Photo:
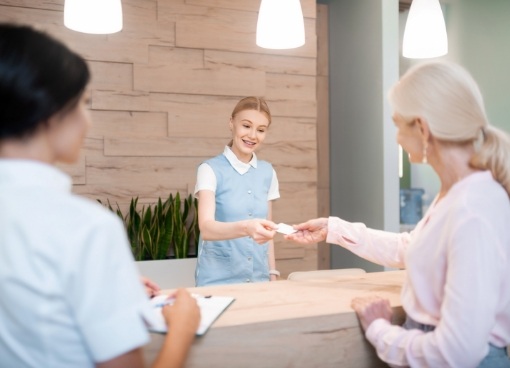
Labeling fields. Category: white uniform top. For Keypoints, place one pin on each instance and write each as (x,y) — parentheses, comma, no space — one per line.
(458,276)
(70,292)
(206,179)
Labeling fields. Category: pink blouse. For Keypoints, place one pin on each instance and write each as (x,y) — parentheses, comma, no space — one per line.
(458,276)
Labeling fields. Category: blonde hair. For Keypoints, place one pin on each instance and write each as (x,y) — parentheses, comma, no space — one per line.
(448,98)
(252,103)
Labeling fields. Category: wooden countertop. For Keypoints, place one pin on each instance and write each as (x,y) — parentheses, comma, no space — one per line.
(291,323)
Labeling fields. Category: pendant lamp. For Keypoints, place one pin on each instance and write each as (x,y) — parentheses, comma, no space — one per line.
(93,16)
(280,24)
(425,32)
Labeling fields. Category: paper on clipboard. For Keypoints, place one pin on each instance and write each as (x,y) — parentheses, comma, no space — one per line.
(211,307)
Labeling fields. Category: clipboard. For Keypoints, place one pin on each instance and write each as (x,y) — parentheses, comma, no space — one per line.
(211,307)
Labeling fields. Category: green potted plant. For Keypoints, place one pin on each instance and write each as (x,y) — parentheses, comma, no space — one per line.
(161,234)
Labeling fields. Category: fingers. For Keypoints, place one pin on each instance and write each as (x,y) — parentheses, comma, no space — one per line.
(312,231)
(261,230)
(312,225)
(268,224)
(302,226)
(151,288)
(371,308)
(184,313)
(308,237)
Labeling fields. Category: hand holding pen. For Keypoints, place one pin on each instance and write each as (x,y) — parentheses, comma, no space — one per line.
(182,312)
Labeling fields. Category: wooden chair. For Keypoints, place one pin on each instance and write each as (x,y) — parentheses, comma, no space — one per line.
(324,274)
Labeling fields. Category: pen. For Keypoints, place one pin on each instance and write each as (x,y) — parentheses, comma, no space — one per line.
(168,301)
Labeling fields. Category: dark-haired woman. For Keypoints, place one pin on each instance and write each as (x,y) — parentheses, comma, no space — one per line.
(70,292)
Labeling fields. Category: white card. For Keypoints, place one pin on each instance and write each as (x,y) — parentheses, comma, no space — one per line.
(285,229)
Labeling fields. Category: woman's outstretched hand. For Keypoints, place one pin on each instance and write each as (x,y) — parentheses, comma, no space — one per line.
(312,231)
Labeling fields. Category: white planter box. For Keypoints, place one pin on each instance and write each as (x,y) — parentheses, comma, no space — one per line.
(170,273)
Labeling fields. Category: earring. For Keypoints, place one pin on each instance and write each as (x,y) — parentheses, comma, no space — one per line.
(424,154)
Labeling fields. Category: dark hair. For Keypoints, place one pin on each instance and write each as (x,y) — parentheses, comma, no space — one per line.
(39,76)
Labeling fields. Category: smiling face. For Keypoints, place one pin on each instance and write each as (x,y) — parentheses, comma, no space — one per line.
(249,129)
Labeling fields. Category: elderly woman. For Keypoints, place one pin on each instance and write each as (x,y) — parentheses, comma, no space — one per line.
(457,292)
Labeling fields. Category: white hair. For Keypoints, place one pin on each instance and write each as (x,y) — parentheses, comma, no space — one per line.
(448,98)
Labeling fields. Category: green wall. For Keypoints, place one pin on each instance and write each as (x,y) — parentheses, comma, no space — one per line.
(481,42)
(363,61)
(479,39)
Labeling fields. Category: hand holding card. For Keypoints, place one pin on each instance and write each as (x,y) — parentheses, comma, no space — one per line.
(285,229)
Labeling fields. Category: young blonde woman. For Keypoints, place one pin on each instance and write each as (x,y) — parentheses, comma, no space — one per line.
(235,191)
(457,292)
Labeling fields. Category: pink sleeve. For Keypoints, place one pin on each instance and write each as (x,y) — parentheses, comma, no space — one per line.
(381,247)
(393,344)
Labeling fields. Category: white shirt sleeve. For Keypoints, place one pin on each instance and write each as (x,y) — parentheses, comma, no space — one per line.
(274,189)
(206,179)
(105,292)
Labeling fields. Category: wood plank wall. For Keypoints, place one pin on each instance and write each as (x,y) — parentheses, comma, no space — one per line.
(162,93)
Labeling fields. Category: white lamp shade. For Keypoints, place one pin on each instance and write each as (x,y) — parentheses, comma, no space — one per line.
(93,16)
(425,32)
(280,24)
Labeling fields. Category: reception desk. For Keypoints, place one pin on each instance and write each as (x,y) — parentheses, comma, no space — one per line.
(291,324)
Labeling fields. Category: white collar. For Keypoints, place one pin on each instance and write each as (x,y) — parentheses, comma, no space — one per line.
(239,166)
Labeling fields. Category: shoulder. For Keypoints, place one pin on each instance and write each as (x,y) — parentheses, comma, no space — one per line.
(265,165)
(266,168)
(216,160)
(87,214)
(482,198)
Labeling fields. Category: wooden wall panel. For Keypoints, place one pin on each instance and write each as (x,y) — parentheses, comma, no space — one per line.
(184,79)
(297,202)
(128,124)
(111,76)
(47,4)
(120,100)
(229,32)
(308,7)
(162,93)
(297,88)
(155,147)
(268,63)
